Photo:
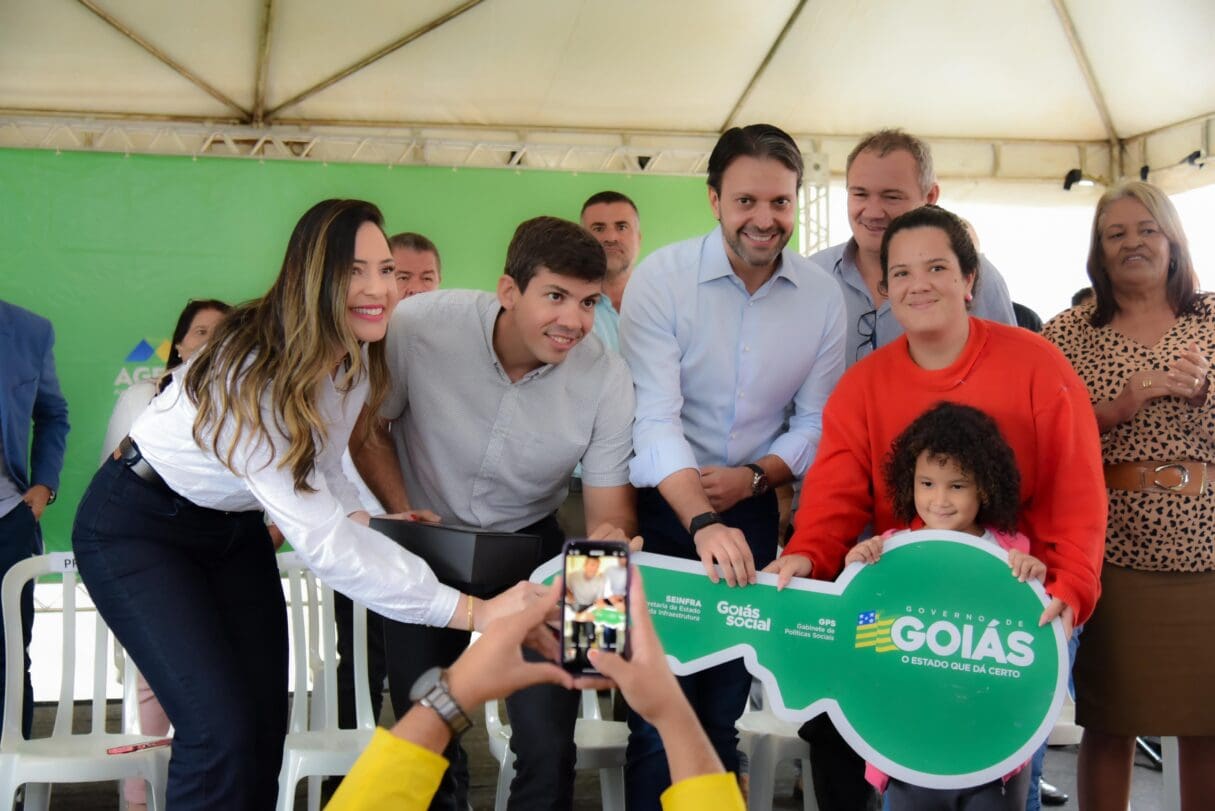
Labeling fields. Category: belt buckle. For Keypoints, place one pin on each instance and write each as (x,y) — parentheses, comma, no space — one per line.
(1185,477)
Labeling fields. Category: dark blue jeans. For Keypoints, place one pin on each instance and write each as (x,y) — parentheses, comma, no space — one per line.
(718,694)
(542,720)
(194,596)
(1034,802)
(20,539)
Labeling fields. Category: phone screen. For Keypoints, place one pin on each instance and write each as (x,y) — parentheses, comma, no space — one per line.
(594,613)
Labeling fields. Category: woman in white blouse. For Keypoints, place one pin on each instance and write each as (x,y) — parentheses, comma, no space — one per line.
(170,538)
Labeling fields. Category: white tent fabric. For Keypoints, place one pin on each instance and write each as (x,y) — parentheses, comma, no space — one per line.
(1019,90)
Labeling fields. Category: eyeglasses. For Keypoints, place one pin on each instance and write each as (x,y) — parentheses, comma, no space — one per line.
(866,328)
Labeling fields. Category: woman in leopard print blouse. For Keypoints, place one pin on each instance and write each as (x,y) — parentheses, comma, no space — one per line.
(1143,348)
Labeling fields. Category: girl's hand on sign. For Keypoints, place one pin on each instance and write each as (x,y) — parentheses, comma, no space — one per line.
(787,567)
(869,551)
(1025,566)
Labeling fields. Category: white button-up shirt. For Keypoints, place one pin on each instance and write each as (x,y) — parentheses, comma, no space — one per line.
(351,558)
(724,377)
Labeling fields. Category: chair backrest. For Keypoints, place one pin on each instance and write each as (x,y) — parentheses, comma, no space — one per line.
(590,705)
(314,649)
(130,692)
(589,710)
(61,563)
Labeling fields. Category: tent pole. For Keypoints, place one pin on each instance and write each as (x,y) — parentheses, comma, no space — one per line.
(1094,89)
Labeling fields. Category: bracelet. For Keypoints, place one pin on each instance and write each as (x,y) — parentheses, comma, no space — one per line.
(471,600)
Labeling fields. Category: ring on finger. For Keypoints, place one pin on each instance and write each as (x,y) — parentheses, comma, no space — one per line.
(1146,383)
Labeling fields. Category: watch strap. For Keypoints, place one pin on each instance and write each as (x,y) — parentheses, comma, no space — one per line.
(703,520)
(759,481)
(437,696)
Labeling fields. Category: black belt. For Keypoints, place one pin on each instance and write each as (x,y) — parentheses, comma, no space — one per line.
(128,453)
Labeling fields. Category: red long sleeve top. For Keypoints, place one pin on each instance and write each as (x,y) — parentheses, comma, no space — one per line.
(1043,410)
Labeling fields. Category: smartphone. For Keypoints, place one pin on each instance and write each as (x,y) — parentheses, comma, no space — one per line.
(138,747)
(594,605)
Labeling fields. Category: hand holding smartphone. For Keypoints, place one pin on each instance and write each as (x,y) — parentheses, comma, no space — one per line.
(595,598)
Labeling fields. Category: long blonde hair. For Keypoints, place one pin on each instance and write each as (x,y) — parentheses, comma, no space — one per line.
(284,344)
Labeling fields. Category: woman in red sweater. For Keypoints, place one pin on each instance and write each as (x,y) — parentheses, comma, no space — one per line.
(929,271)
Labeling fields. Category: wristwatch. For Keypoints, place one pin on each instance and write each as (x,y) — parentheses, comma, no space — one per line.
(703,520)
(431,690)
(759,480)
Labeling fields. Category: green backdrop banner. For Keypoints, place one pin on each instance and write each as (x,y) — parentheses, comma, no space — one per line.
(109,247)
(930,662)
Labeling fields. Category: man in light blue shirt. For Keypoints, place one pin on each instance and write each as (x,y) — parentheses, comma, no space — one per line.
(734,343)
(890,173)
(613,219)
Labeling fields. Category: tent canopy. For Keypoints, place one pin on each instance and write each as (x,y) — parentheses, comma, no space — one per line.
(1023,90)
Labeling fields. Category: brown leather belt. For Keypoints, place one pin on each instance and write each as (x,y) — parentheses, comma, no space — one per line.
(1184,478)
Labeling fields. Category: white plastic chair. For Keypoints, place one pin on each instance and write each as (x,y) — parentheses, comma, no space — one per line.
(315,746)
(600,745)
(64,757)
(131,724)
(769,741)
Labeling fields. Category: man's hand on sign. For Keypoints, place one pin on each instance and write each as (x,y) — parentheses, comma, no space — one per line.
(718,543)
(610,532)
(788,567)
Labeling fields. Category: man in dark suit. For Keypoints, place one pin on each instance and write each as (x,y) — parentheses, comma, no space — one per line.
(29,476)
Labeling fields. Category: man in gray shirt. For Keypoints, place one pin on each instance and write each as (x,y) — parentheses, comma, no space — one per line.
(890,173)
(494,399)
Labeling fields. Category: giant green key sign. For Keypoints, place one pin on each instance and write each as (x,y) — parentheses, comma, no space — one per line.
(931,662)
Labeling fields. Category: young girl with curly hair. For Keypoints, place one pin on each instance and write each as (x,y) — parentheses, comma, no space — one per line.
(952,469)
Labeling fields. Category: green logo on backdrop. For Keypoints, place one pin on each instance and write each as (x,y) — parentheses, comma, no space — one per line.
(931,662)
(145,361)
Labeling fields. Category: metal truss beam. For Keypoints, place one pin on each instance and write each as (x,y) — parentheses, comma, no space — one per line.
(588,150)
(263,63)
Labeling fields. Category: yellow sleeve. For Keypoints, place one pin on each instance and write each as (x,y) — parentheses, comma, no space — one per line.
(706,792)
(392,773)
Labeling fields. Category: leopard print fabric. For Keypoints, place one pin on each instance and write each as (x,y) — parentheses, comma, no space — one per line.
(1147,530)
